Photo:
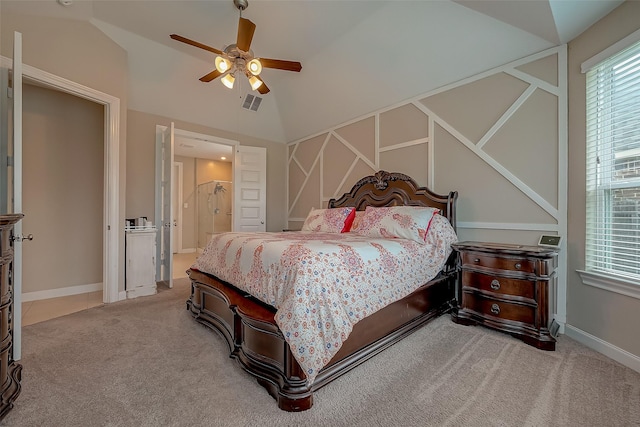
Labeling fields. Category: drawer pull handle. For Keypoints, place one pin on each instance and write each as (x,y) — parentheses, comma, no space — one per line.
(518,265)
(495,285)
(476,260)
(495,309)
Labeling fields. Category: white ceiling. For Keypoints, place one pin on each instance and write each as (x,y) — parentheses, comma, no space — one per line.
(357,56)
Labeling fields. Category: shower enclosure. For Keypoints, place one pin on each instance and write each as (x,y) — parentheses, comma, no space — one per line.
(214,209)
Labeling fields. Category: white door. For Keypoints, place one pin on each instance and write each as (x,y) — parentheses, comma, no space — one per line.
(250,183)
(17,193)
(166,214)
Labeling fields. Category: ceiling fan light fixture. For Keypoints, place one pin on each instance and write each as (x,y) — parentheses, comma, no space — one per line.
(255,82)
(254,66)
(238,58)
(228,80)
(222,64)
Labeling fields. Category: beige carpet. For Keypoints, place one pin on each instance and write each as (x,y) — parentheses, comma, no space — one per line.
(146,362)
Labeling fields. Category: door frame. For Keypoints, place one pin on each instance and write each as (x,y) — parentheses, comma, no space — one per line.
(111,183)
(176,203)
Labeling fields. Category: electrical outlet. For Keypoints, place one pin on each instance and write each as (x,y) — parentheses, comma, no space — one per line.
(185,206)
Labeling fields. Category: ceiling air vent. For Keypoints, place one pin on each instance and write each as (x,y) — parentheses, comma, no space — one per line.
(251,102)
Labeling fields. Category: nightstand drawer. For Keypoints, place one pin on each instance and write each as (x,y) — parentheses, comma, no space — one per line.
(499,285)
(475,259)
(499,309)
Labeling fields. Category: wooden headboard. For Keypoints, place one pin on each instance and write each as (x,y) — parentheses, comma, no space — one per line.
(395,189)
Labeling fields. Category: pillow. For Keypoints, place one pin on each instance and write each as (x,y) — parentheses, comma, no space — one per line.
(329,220)
(405,222)
(356,220)
(348,223)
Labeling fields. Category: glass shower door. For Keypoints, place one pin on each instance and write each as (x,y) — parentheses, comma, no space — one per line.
(214,209)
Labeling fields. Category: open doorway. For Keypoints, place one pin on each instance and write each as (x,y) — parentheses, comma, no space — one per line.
(63,160)
(202,196)
(246,175)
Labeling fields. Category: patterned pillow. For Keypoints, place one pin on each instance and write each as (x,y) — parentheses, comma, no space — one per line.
(329,220)
(358,215)
(405,222)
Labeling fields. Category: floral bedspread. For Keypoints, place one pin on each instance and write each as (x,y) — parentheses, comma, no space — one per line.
(324,283)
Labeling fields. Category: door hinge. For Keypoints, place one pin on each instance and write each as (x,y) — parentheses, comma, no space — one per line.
(9,92)
(9,160)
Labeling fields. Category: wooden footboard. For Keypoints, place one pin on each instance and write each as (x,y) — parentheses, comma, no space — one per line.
(256,342)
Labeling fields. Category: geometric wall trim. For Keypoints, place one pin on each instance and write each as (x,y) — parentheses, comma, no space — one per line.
(499,138)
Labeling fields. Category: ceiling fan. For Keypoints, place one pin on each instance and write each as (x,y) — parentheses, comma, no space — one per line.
(238,58)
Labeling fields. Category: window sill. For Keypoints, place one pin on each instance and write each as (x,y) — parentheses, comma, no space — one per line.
(611,283)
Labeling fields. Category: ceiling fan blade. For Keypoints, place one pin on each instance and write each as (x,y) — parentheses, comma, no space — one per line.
(263,88)
(246,29)
(212,75)
(281,65)
(195,43)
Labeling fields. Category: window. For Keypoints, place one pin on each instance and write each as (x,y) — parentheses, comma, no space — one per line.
(613,166)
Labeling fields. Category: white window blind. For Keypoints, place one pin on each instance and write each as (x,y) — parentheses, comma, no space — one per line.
(613,165)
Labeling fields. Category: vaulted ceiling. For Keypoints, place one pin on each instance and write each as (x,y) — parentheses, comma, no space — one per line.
(357,56)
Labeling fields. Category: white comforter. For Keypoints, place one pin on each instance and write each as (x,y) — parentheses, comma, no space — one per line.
(323,283)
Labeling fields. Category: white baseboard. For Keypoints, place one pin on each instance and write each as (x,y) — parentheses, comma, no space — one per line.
(629,360)
(122,295)
(61,292)
(187,250)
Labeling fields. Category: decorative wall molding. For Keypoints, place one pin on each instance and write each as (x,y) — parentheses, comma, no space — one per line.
(400,143)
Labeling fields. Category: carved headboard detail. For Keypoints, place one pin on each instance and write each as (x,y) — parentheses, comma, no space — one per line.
(395,189)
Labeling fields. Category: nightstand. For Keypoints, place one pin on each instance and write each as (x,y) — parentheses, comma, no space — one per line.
(507,288)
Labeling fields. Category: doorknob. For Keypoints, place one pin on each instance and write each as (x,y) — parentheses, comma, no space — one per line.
(21,238)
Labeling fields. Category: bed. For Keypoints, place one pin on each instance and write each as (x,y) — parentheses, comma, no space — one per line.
(250,325)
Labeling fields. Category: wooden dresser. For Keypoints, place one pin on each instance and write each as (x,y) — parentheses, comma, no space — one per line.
(10,371)
(508,288)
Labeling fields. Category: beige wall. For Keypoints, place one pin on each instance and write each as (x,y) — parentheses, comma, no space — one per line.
(141,134)
(63,164)
(210,170)
(609,316)
(81,53)
(494,138)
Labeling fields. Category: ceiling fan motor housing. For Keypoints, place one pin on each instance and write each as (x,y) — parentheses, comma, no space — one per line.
(241,4)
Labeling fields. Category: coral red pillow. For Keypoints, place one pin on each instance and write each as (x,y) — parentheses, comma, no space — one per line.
(348,223)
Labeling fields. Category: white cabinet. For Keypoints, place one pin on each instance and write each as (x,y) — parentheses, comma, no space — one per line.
(140,268)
